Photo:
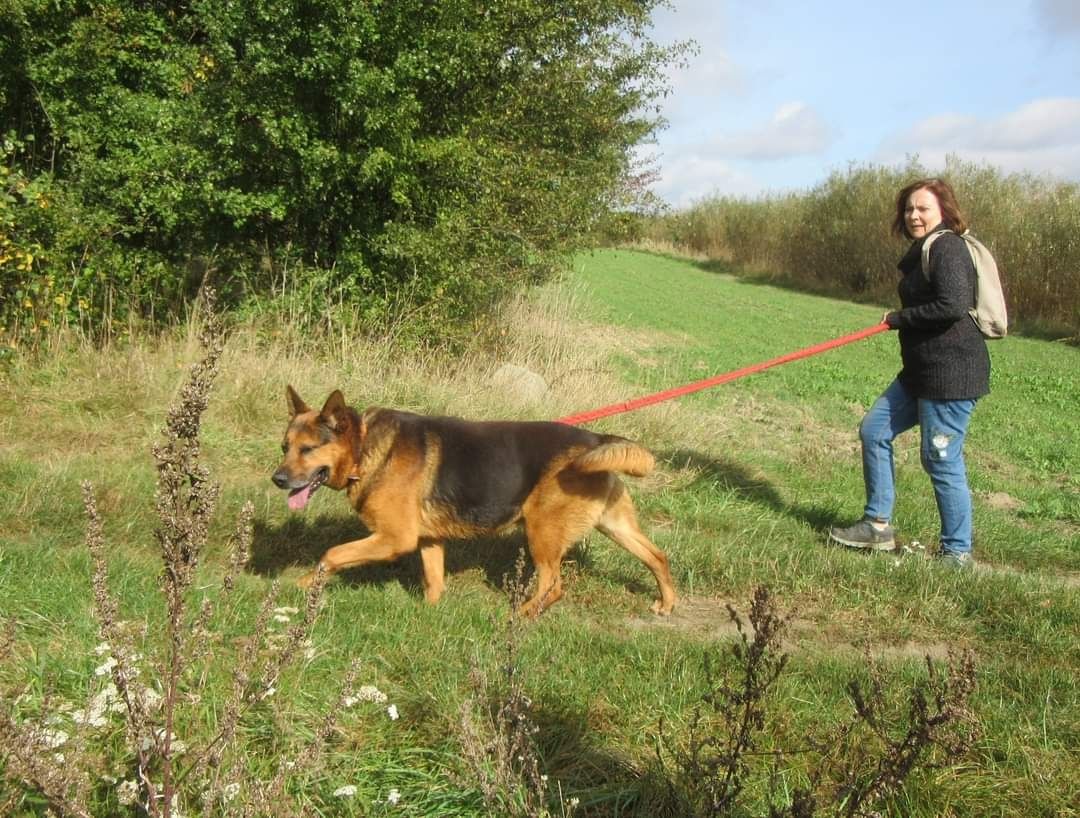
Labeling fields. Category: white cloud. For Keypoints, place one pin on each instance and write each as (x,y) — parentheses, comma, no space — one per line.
(689,176)
(794,130)
(693,169)
(707,76)
(1041,137)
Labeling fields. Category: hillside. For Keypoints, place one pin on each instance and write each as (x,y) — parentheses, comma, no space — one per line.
(749,477)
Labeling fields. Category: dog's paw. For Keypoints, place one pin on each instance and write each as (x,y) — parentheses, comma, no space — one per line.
(660,609)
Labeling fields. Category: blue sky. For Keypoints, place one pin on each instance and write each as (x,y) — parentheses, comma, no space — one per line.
(780,93)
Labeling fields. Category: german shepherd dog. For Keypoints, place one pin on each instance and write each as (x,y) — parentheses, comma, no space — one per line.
(417,481)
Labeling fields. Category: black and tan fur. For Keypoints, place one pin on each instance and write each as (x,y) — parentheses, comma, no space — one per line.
(417,481)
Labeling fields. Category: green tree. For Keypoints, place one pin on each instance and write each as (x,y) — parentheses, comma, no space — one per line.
(436,152)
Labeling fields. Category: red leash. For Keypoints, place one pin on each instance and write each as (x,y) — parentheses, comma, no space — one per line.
(716,380)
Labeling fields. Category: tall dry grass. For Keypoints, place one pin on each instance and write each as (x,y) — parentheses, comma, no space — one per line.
(835,237)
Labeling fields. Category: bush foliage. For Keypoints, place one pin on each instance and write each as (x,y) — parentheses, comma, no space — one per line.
(416,153)
(835,237)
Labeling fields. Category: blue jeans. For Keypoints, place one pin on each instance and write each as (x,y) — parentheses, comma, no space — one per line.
(943,426)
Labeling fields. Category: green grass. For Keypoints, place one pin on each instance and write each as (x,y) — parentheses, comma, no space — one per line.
(750,476)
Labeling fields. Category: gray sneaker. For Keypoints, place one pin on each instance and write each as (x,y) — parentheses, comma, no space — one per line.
(864,535)
(958,561)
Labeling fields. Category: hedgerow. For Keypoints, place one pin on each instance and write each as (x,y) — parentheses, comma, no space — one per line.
(835,238)
(411,154)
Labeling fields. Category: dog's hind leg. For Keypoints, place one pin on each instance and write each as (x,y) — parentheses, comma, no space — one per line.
(549,538)
(432,556)
(619,522)
(557,514)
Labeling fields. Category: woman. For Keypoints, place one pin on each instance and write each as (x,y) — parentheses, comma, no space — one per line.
(946,369)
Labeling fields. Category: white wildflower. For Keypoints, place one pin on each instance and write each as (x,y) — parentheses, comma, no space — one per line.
(107,700)
(348,791)
(349,701)
(127,793)
(288,610)
(370,693)
(102,649)
(151,697)
(94,718)
(106,668)
(282,619)
(393,797)
(230,792)
(392,712)
(53,738)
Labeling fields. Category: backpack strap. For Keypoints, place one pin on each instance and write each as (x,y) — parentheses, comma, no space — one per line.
(929,240)
(989,312)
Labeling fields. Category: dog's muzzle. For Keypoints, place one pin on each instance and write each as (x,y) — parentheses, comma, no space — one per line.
(300,491)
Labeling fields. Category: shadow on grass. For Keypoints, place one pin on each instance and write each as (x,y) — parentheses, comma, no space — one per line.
(300,541)
(733,477)
(608,782)
(877,292)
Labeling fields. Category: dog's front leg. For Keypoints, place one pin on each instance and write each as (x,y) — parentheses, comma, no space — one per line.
(376,548)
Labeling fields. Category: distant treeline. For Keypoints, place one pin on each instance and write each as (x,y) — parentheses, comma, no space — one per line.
(835,238)
(405,158)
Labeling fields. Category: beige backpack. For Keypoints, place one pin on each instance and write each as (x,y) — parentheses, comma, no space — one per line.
(989,314)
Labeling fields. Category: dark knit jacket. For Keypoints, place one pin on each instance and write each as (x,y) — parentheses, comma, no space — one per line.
(944,355)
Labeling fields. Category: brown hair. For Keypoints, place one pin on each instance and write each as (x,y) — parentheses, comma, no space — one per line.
(951,216)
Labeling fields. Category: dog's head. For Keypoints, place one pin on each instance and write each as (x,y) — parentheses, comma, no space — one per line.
(316,447)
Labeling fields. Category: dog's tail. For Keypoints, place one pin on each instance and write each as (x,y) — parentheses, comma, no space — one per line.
(616,454)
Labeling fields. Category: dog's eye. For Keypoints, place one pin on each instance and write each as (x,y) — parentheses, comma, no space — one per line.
(307,449)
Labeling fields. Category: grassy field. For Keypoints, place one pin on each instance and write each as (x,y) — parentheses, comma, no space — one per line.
(750,476)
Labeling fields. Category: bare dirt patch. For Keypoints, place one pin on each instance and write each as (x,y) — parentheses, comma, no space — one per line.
(1003,501)
(707,618)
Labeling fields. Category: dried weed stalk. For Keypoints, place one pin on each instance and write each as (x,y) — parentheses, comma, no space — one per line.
(861,764)
(881,748)
(709,769)
(497,731)
(161,696)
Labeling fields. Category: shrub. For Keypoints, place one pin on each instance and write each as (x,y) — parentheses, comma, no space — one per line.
(835,237)
(438,154)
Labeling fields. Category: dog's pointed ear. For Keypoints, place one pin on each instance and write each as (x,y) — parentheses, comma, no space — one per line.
(295,402)
(335,404)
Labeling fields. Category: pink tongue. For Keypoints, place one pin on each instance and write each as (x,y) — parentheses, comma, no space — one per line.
(298,499)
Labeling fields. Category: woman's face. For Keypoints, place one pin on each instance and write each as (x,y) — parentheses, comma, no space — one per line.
(922,213)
